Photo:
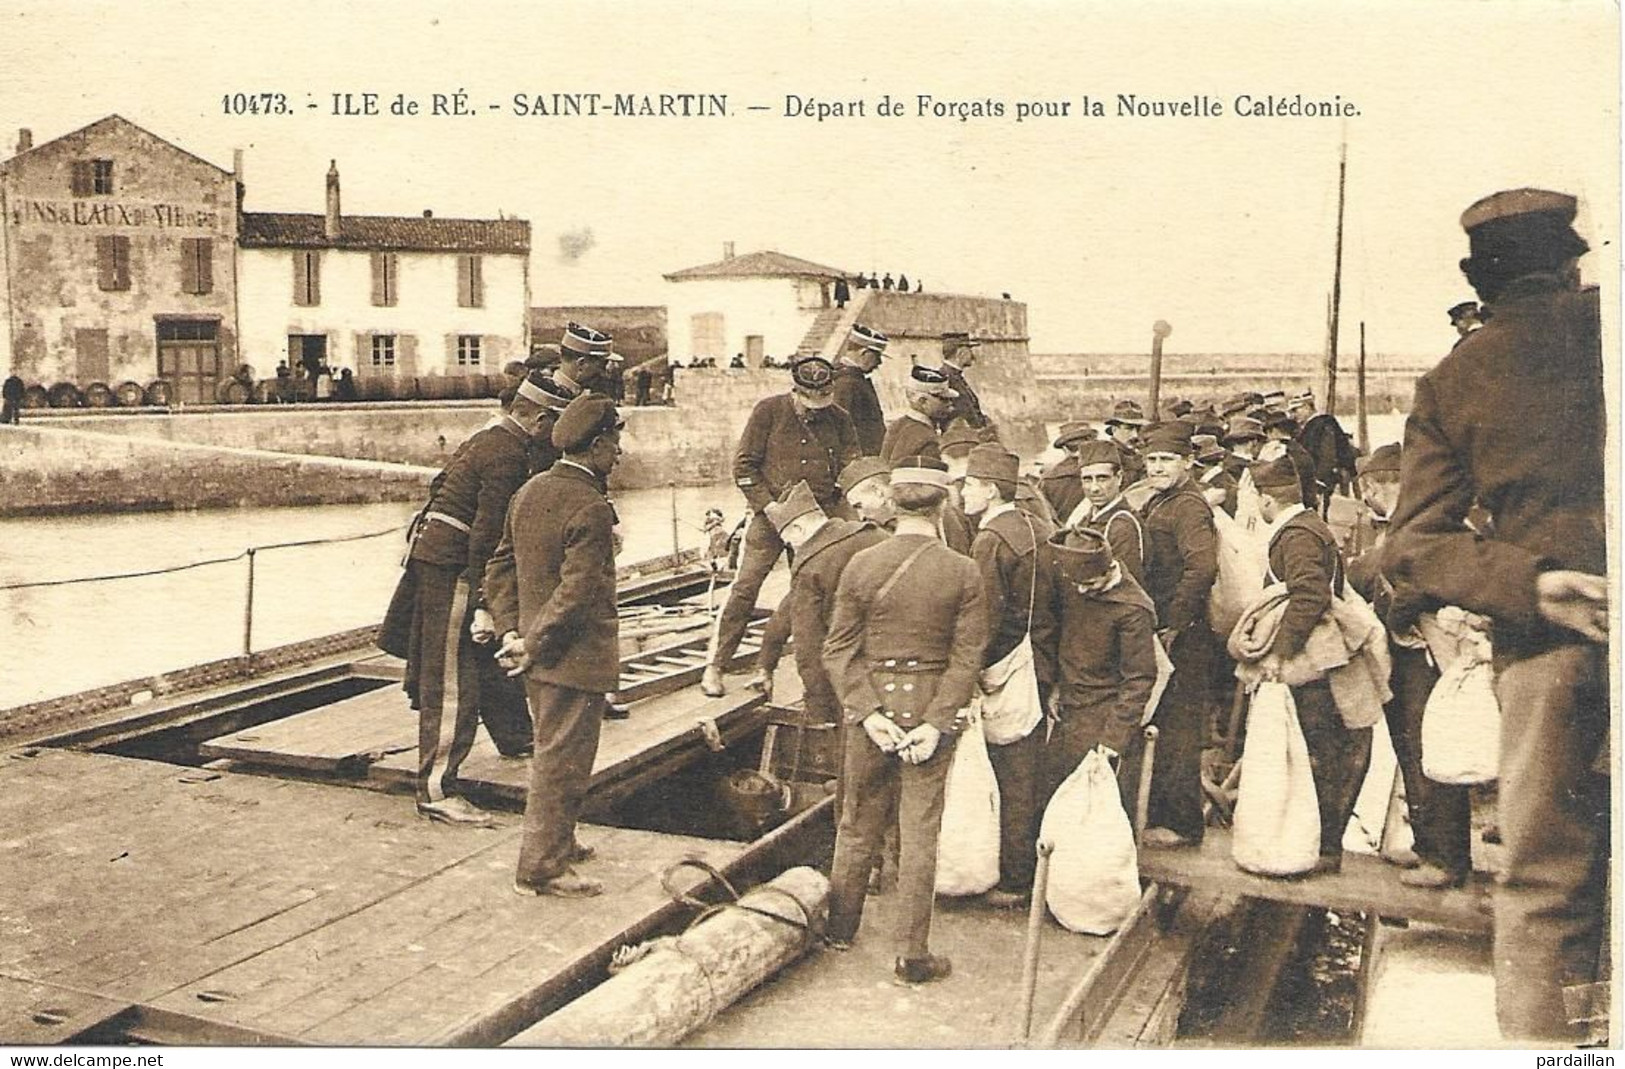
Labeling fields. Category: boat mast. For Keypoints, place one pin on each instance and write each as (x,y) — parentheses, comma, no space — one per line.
(1337,283)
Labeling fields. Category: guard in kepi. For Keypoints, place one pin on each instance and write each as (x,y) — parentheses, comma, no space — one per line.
(958,354)
(435,620)
(904,653)
(855,390)
(552,594)
(790,437)
(1514,418)
(917,432)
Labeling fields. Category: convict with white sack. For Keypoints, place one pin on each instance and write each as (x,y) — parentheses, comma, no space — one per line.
(1094,871)
(1277,819)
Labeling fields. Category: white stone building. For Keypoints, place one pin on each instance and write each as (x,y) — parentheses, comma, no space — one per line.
(762,303)
(394,298)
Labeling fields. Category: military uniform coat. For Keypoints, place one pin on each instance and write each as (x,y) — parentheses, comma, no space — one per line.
(1514,417)
(855,392)
(1331,454)
(552,579)
(814,576)
(474,489)
(910,435)
(915,655)
(781,446)
(967,406)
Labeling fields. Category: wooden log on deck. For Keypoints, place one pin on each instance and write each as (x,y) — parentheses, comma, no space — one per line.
(685,981)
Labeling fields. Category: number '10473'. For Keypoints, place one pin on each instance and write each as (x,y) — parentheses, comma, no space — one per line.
(255,104)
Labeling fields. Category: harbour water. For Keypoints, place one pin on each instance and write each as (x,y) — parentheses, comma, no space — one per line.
(75,636)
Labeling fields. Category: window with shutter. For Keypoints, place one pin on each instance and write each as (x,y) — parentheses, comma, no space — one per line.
(470,283)
(80,179)
(385,273)
(383,350)
(197,265)
(468,350)
(113,262)
(101,177)
(307,278)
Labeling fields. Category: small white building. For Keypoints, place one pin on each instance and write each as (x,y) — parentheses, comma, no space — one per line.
(762,303)
(391,297)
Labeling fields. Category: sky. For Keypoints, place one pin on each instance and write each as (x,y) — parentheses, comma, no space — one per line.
(1222,226)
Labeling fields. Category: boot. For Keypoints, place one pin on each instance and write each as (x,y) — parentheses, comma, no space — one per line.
(455,810)
(923,970)
(711,682)
(762,682)
(1431,876)
(565,885)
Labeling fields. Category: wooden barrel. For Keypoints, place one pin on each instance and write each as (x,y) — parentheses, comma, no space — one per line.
(36,396)
(99,395)
(159,393)
(65,395)
(129,394)
(231,392)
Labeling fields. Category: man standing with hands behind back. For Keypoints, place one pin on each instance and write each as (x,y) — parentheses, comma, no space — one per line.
(551,590)
(1514,419)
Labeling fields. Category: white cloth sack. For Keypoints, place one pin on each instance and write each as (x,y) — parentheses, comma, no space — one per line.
(1461,726)
(1094,870)
(1010,705)
(1277,821)
(968,844)
(1243,560)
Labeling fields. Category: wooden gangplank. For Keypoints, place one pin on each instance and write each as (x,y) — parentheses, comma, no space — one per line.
(207,907)
(1367,884)
(375,735)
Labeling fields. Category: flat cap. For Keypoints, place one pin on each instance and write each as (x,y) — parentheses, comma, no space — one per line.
(868,338)
(923,378)
(1280,421)
(584,419)
(585,341)
(921,471)
(994,463)
(1509,203)
(959,439)
(793,503)
(1238,403)
(1383,458)
(859,470)
(1099,452)
(1172,438)
(1075,432)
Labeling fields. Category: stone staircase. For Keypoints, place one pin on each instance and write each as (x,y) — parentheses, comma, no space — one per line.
(831,326)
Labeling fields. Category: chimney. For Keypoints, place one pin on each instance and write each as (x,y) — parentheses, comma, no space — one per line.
(727,250)
(428,214)
(332,228)
(237,163)
(25,139)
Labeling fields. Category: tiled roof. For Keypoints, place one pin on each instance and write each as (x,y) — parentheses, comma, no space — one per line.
(765,264)
(384,233)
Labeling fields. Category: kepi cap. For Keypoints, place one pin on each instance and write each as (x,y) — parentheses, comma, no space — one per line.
(923,378)
(1510,203)
(813,379)
(540,388)
(585,341)
(868,338)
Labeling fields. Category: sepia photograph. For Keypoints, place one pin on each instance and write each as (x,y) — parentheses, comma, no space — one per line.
(918,526)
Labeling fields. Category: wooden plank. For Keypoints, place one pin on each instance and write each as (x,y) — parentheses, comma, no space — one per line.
(380,666)
(32,1012)
(439,956)
(1367,884)
(213,872)
(332,738)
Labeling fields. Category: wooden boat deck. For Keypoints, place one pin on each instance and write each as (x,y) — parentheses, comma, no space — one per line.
(235,908)
(375,735)
(1367,884)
